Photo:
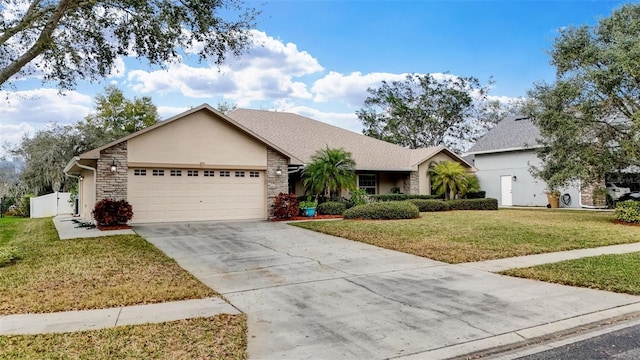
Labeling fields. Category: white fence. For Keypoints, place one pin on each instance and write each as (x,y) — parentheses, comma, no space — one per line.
(51,205)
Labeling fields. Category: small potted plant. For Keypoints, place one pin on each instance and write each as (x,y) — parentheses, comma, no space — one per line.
(599,196)
(553,199)
(308,206)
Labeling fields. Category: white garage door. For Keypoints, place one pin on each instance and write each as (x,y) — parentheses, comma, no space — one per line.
(164,195)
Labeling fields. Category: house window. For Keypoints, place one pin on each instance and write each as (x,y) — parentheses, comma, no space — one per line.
(254,174)
(239,173)
(224,173)
(158,172)
(176,172)
(140,172)
(208,173)
(369,183)
(192,172)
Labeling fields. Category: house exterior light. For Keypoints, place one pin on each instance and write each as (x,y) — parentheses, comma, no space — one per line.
(113,168)
(279,171)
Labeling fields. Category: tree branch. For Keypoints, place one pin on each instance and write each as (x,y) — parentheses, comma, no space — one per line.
(41,43)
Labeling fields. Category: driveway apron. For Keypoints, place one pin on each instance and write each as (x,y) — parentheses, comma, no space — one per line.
(314,296)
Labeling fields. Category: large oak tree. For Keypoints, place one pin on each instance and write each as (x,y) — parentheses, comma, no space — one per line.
(589,118)
(429,110)
(65,40)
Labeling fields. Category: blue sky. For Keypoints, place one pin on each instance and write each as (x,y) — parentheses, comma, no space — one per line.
(317,58)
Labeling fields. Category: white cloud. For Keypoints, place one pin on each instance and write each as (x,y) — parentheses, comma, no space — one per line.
(11,134)
(23,112)
(41,106)
(347,121)
(266,71)
(352,88)
(118,69)
(166,112)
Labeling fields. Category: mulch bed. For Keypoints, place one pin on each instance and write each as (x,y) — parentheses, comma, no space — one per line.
(317,217)
(113,227)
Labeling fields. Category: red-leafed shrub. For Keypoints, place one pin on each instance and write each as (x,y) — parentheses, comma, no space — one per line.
(108,212)
(285,206)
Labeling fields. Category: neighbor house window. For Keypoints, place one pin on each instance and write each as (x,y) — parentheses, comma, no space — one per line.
(140,172)
(224,173)
(158,172)
(254,174)
(176,172)
(192,172)
(368,182)
(208,173)
(239,173)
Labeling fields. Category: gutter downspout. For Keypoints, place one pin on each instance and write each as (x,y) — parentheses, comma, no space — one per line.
(580,198)
(75,160)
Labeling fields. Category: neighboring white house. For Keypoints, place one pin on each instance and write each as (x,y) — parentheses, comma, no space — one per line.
(504,157)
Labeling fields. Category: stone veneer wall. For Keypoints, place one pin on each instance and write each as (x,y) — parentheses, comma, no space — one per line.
(411,183)
(276,184)
(586,192)
(108,185)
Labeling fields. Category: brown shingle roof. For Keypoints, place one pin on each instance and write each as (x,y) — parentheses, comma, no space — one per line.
(302,137)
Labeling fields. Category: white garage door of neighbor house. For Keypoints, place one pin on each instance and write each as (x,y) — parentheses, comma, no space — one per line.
(164,195)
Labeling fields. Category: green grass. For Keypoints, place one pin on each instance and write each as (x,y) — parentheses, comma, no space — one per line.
(617,273)
(463,236)
(8,228)
(59,275)
(219,337)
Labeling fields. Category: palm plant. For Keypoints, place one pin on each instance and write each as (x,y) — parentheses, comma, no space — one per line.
(448,178)
(330,171)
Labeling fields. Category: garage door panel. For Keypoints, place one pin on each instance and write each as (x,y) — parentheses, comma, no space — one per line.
(193,198)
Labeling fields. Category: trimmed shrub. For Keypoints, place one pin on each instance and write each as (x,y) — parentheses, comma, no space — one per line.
(628,211)
(358,197)
(109,212)
(476,194)
(429,205)
(331,208)
(285,206)
(401,197)
(473,204)
(383,211)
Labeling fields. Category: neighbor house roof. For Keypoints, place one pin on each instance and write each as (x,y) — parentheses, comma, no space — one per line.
(302,137)
(511,134)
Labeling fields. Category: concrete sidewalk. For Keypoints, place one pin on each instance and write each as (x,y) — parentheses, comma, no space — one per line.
(68,321)
(539,259)
(68,229)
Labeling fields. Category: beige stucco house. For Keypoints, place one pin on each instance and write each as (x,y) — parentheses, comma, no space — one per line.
(204,165)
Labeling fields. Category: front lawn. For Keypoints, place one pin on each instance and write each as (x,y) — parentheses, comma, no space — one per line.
(464,236)
(58,275)
(617,273)
(219,337)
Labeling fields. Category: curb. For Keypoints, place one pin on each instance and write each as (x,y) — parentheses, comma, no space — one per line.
(525,337)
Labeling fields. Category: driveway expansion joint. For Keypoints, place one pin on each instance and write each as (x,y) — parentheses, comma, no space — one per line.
(118,317)
(309,259)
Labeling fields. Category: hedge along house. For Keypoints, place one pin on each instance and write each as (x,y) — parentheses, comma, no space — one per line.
(204,165)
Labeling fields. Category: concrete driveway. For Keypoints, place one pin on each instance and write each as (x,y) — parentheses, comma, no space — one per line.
(313,296)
